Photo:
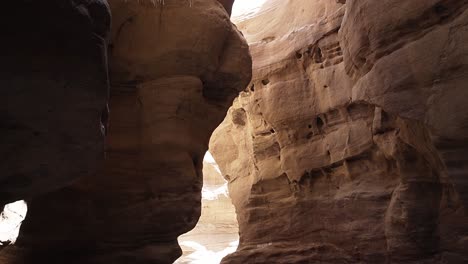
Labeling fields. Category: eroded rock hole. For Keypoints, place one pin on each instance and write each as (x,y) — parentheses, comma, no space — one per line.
(441,10)
(239,117)
(298,55)
(320,124)
(318,57)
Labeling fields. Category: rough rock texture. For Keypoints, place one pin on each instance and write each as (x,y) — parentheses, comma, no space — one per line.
(53,95)
(412,61)
(350,144)
(217,232)
(171,85)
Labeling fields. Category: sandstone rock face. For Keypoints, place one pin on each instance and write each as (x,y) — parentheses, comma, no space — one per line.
(53,95)
(175,69)
(412,62)
(216,233)
(349,146)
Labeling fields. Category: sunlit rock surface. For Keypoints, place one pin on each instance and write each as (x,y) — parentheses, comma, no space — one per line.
(216,233)
(244,9)
(349,146)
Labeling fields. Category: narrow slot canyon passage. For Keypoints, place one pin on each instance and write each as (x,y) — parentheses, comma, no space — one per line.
(234,132)
(217,232)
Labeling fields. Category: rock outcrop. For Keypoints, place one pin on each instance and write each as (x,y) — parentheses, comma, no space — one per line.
(175,69)
(53,95)
(349,146)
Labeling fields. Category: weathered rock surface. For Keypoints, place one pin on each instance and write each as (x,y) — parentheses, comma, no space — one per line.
(350,144)
(175,69)
(53,95)
(409,57)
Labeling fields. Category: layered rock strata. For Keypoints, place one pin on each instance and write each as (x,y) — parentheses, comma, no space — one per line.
(349,145)
(175,69)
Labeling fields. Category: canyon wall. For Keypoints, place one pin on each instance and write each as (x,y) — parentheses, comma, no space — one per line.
(350,144)
(53,95)
(175,69)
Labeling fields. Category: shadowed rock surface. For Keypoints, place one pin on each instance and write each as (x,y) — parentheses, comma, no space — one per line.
(171,85)
(53,95)
(349,146)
